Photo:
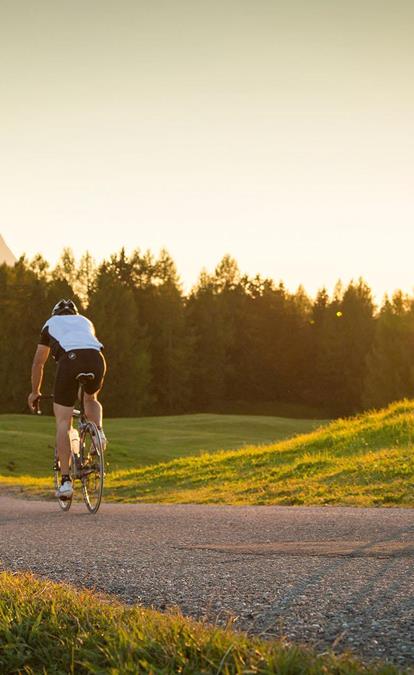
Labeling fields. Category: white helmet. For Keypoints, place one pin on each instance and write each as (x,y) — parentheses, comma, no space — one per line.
(64,307)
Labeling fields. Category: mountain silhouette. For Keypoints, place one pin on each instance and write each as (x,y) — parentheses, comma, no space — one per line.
(6,256)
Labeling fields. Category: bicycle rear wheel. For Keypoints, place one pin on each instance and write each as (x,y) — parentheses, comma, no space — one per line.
(64,504)
(93,468)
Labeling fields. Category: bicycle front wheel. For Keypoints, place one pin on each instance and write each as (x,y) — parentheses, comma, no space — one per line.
(93,468)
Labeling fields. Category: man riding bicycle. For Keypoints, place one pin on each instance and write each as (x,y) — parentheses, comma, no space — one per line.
(71,339)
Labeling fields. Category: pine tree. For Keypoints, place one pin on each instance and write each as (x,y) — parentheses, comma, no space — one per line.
(344,331)
(24,307)
(390,367)
(113,311)
(328,361)
(86,277)
(207,324)
(160,299)
(358,332)
(66,270)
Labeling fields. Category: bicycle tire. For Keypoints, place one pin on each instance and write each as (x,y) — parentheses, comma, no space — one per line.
(64,504)
(93,467)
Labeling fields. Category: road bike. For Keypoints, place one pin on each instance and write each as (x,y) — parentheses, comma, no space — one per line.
(87,463)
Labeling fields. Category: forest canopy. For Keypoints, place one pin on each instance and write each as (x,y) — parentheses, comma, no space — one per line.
(232,343)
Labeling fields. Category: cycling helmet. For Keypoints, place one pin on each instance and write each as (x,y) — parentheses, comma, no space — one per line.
(64,307)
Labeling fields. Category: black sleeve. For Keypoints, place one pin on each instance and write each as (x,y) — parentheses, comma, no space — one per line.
(45,337)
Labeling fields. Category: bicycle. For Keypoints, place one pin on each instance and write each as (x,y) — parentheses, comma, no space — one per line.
(87,461)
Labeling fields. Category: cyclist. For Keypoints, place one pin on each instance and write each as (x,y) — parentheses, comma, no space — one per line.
(71,339)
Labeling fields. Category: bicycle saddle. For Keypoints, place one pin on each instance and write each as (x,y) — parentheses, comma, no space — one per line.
(85,377)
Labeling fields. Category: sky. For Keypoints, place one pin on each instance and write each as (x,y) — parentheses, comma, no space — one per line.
(279,132)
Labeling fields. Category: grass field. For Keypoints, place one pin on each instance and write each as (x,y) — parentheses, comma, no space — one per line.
(50,628)
(367,460)
(25,439)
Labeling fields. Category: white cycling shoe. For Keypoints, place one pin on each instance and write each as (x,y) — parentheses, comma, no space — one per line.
(65,491)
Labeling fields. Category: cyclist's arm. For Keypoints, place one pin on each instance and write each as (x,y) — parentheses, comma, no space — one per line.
(39,360)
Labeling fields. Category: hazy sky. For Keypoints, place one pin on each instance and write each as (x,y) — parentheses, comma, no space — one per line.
(278,132)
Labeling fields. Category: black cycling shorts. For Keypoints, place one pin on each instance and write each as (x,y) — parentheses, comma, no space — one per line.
(69,366)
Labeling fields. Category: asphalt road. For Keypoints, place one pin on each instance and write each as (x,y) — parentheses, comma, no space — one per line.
(340,577)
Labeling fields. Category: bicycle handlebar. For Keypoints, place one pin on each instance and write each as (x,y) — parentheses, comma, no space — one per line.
(36,408)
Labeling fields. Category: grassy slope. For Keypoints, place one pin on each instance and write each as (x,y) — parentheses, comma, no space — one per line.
(24,439)
(367,460)
(46,627)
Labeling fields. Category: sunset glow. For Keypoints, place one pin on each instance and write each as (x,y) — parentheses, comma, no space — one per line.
(276,133)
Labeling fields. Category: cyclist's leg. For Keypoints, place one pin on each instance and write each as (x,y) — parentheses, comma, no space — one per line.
(93,411)
(93,408)
(63,416)
(64,400)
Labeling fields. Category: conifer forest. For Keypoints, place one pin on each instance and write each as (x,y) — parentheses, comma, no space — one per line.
(232,344)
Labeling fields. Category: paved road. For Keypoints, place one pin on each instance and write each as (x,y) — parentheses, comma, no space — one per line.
(325,576)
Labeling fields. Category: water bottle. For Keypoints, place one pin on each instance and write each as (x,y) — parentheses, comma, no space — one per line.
(75,443)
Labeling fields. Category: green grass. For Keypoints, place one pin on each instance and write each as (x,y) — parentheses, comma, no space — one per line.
(24,439)
(50,628)
(367,460)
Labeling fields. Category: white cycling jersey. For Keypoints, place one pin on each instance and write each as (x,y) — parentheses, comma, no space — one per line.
(65,332)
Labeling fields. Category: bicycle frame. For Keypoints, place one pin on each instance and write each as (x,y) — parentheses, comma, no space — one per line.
(81,466)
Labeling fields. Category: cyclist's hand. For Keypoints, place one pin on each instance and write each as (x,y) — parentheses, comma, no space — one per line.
(31,400)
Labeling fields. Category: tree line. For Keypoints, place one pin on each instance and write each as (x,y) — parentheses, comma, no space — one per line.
(233,343)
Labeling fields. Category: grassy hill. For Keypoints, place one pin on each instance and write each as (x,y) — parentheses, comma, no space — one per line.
(26,441)
(50,628)
(367,460)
